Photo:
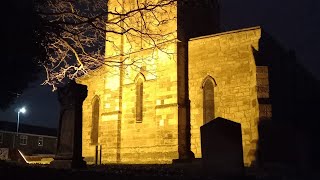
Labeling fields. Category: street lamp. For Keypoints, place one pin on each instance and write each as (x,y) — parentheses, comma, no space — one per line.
(21,110)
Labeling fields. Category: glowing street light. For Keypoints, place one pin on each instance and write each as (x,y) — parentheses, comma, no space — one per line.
(21,110)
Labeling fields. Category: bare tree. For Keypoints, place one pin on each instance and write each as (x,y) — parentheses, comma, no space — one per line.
(72,33)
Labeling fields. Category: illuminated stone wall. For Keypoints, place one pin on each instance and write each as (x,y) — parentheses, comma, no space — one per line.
(228,59)
(95,84)
(155,140)
(123,139)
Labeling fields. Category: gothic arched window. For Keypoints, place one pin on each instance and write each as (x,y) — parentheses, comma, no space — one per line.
(208,99)
(95,121)
(139,98)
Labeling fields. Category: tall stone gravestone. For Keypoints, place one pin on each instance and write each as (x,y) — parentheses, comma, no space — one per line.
(221,146)
(69,146)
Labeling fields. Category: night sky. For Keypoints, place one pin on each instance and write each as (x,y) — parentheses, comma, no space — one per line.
(294,23)
(41,104)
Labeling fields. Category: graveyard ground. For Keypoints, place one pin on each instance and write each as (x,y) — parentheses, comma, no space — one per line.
(12,170)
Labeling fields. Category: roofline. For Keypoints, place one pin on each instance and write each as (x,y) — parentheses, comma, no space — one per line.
(10,132)
(225,33)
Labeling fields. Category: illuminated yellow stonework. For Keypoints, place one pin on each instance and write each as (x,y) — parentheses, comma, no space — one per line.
(226,57)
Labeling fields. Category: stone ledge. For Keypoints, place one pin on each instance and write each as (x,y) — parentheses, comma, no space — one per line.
(227,33)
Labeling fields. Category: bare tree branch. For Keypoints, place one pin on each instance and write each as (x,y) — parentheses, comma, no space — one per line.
(74,33)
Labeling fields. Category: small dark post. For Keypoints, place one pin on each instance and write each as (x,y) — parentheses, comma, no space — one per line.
(96,161)
(100,153)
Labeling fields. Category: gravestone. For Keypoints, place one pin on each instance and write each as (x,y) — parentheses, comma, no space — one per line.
(221,146)
(69,146)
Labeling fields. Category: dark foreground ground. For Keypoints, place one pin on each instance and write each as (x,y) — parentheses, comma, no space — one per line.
(11,170)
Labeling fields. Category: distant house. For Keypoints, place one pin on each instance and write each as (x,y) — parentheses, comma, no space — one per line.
(29,139)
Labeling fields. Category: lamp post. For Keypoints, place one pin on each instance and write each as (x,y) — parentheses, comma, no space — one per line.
(21,110)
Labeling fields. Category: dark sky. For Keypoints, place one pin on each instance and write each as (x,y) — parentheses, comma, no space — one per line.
(41,104)
(294,23)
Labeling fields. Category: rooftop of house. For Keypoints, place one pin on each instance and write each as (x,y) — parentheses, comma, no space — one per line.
(25,128)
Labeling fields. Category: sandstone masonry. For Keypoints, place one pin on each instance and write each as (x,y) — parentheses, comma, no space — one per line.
(240,93)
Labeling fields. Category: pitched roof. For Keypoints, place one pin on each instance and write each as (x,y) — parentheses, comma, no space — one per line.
(25,128)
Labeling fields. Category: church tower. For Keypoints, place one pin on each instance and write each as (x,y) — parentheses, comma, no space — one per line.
(144,107)
(168,70)
(194,19)
(165,60)
(197,18)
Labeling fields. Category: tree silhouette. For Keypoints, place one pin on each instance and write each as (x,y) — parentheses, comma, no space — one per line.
(70,36)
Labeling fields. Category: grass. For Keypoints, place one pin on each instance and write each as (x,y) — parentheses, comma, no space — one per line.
(13,170)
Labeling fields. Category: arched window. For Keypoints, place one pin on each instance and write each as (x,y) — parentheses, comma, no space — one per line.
(208,99)
(95,121)
(139,98)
